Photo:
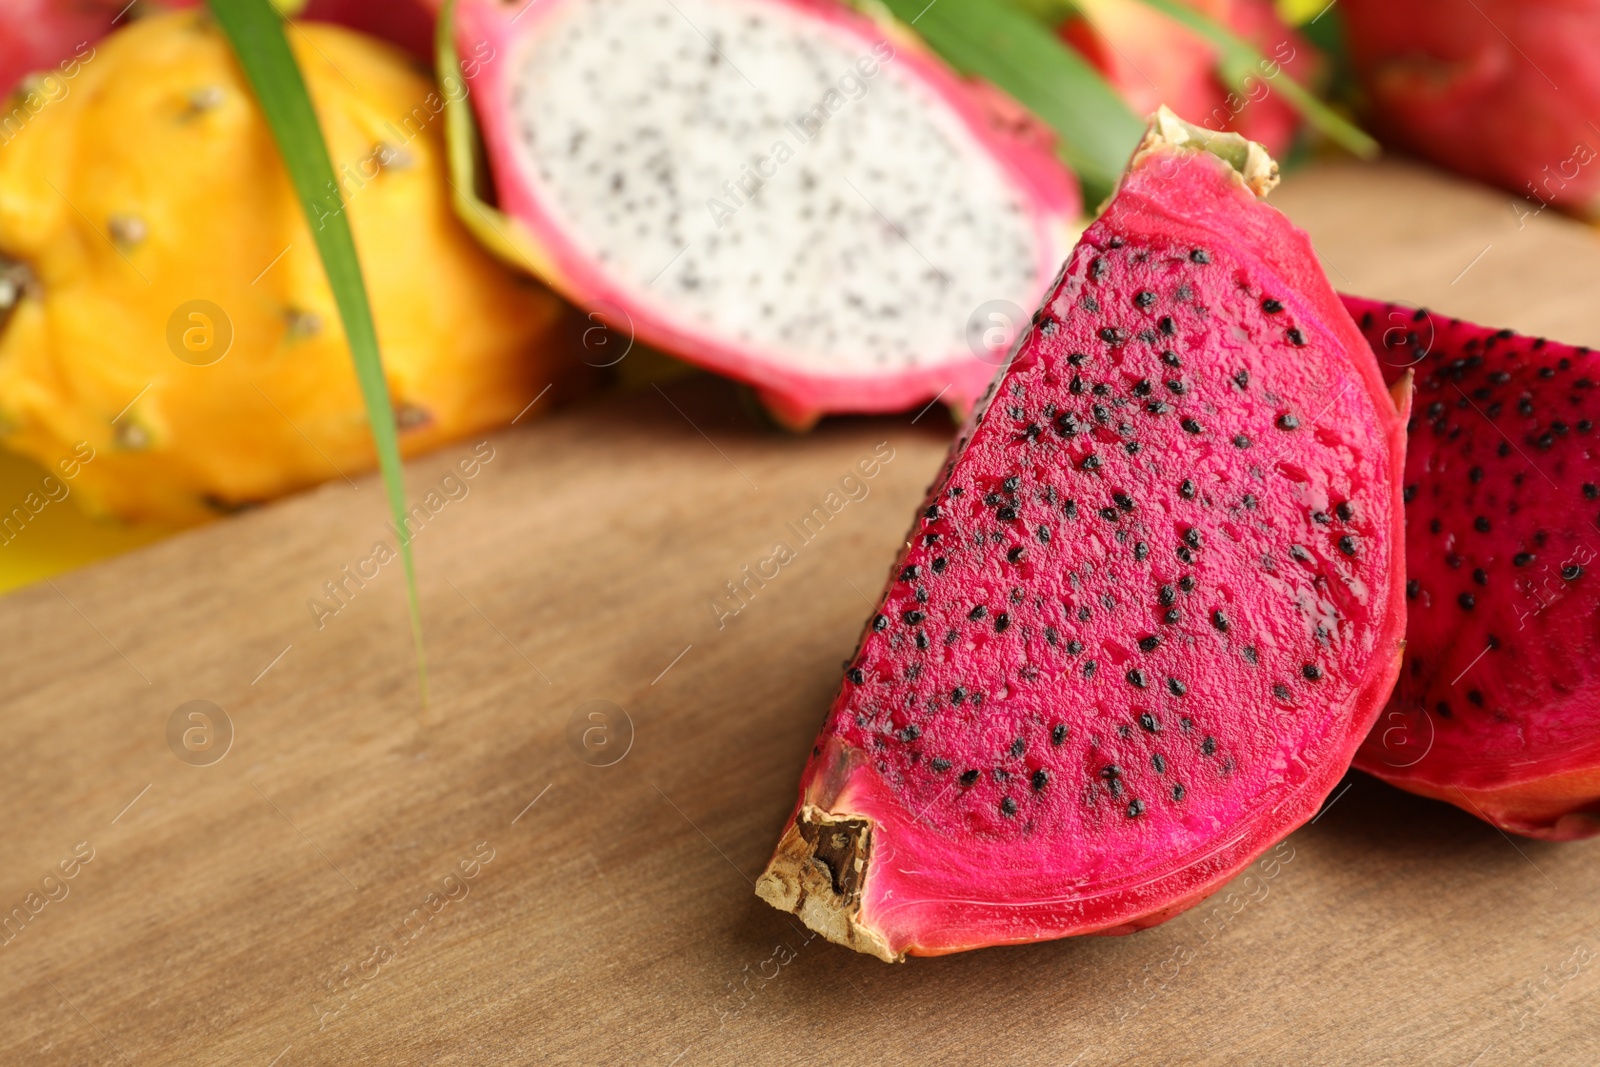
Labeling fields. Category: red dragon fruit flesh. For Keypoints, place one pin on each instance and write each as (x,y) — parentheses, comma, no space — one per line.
(1148,609)
(789,192)
(1498,706)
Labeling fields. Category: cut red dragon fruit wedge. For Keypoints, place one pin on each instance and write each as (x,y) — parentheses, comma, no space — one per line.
(785,191)
(1498,706)
(1149,608)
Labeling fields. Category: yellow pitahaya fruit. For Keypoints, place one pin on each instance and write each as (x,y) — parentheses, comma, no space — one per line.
(162,302)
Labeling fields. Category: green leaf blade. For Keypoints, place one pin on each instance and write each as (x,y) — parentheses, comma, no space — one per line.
(1238,57)
(256,31)
(1016,52)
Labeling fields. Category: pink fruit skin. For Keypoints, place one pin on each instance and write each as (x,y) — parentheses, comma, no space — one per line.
(797,399)
(1151,60)
(405,23)
(1506,91)
(1508,729)
(36,35)
(946,875)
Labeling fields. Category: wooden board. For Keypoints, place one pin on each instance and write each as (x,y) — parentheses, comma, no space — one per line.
(305,899)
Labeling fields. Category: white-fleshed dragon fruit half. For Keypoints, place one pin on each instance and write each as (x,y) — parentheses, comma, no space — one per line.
(788,192)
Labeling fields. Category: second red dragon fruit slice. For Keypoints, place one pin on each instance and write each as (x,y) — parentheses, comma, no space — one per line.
(1498,706)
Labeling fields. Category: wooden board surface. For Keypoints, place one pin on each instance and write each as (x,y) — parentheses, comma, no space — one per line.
(306,899)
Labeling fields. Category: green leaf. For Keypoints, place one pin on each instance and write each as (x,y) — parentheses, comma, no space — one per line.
(1015,51)
(256,32)
(1238,60)
(1051,13)
(501,234)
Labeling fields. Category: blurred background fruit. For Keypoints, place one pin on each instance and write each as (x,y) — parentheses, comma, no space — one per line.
(37,35)
(1507,91)
(133,181)
(406,23)
(1152,59)
(163,303)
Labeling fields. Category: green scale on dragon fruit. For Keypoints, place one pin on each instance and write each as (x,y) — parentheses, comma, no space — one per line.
(1149,608)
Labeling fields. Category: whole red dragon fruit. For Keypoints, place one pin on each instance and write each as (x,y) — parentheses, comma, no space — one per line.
(1498,706)
(1507,91)
(1151,60)
(1148,609)
(44,36)
(406,23)
(38,36)
(789,192)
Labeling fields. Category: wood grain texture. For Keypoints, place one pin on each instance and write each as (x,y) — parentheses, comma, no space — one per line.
(275,908)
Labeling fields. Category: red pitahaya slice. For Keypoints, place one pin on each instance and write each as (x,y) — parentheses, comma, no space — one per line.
(785,191)
(1497,709)
(1147,611)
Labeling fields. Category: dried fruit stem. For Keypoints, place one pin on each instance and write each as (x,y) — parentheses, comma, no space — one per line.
(818,872)
(1257,169)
